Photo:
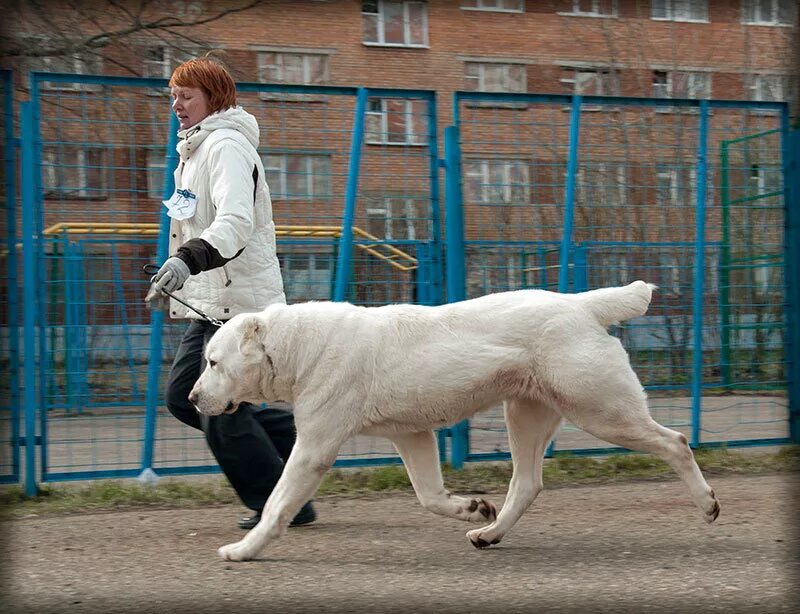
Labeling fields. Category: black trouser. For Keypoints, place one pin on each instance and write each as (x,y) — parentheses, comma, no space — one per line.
(250,444)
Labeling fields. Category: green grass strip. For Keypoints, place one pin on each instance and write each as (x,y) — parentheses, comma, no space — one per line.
(563,470)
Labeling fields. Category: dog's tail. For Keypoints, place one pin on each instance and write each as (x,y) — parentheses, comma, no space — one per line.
(613,305)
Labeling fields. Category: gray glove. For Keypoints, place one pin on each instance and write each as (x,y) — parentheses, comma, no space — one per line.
(171,276)
(156,301)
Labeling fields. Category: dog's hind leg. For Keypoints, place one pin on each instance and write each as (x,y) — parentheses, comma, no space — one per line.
(626,422)
(531,426)
(313,454)
(421,458)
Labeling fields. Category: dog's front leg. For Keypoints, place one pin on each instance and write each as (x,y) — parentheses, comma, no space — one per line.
(307,464)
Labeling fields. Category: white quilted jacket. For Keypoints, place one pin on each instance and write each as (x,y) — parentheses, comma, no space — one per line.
(217,158)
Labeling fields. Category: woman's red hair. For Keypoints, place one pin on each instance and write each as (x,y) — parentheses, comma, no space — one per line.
(210,76)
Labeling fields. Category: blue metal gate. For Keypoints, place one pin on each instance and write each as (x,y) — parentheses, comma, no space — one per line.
(570,193)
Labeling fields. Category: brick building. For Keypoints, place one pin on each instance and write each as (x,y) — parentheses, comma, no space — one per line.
(721,49)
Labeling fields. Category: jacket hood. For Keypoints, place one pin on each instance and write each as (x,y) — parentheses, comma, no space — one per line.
(235,118)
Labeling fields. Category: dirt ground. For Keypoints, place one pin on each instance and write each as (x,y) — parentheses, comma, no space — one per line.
(633,547)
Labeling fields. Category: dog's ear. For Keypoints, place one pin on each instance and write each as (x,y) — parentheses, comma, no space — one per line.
(252,331)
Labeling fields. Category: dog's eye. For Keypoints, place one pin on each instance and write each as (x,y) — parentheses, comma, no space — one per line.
(212,363)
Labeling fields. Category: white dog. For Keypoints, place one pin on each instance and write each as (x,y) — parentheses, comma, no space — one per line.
(400,371)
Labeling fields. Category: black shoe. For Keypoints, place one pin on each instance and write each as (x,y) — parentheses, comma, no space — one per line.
(306,515)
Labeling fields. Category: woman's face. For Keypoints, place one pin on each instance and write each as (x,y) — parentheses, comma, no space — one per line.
(190,105)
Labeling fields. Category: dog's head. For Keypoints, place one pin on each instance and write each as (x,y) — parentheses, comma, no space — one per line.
(238,367)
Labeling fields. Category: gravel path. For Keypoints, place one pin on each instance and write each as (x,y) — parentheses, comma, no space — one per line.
(629,547)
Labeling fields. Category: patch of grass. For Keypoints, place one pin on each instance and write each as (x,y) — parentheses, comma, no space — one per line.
(563,470)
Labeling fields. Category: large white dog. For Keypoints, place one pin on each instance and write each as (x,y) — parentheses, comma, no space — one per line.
(400,371)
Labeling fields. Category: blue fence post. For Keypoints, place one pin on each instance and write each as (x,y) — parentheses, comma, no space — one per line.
(31,275)
(699,274)
(345,261)
(9,148)
(569,195)
(456,259)
(791,174)
(435,255)
(157,317)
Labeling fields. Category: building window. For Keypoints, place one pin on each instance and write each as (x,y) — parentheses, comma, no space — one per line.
(160,62)
(497,182)
(307,276)
(769,12)
(294,68)
(395,23)
(593,8)
(675,186)
(68,64)
(765,180)
(679,10)
(397,218)
(72,171)
(589,81)
(768,88)
(601,185)
(156,165)
(681,84)
(394,121)
(293,176)
(494,77)
(505,6)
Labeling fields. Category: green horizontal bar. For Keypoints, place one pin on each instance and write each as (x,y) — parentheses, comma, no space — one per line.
(749,199)
(750,136)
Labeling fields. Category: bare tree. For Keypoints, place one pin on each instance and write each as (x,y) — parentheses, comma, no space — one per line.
(114,30)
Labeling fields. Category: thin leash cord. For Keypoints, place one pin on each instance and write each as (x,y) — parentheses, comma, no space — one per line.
(151,269)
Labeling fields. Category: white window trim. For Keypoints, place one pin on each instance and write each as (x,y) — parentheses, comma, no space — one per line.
(619,178)
(491,9)
(576,12)
(772,23)
(388,213)
(305,55)
(406,27)
(484,175)
(282,192)
(383,115)
(80,66)
(481,78)
(155,162)
(80,167)
(671,16)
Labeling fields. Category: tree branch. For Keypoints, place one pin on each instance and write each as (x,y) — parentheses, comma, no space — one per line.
(104,39)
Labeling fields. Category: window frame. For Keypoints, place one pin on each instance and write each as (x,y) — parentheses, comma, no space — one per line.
(595,12)
(382,117)
(494,9)
(80,168)
(305,55)
(670,9)
(381,30)
(281,191)
(774,21)
(483,66)
(484,174)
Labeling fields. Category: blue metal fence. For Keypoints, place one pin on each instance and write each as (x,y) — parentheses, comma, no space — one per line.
(557,192)
(9,344)
(101,151)
(570,193)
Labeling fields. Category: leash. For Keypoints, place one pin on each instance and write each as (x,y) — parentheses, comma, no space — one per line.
(152,269)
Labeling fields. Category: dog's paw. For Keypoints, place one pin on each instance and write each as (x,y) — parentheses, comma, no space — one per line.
(712,509)
(480,539)
(236,552)
(481,510)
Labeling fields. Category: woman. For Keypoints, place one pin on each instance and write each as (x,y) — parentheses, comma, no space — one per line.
(222,241)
